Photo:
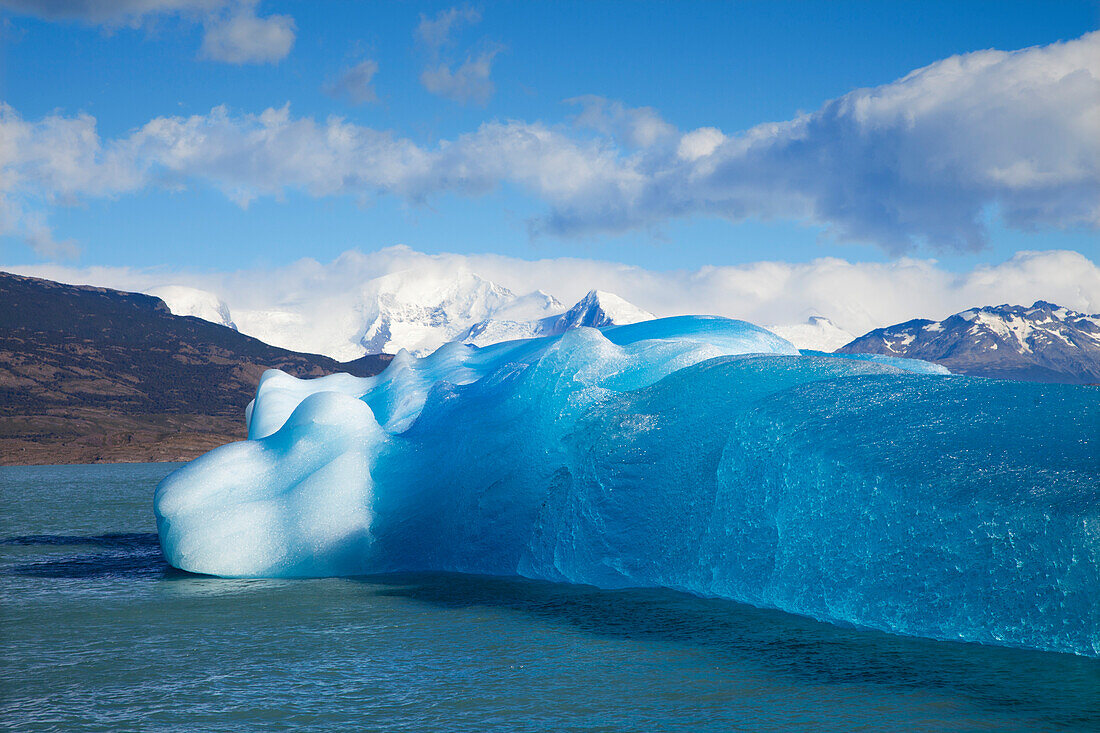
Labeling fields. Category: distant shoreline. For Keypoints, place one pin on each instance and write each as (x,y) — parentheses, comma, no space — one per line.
(87,437)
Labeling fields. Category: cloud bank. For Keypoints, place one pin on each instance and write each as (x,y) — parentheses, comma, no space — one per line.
(915,163)
(857,296)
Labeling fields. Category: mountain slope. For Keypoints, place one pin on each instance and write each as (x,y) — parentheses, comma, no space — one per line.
(418,310)
(96,374)
(185,301)
(817,333)
(1043,343)
(597,309)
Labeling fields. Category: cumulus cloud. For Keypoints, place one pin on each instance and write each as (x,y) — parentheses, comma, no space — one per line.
(699,143)
(918,162)
(857,296)
(239,36)
(464,82)
(59,159)
(56,160)
(357,83)
(631,127)
(919,159)
(233,32)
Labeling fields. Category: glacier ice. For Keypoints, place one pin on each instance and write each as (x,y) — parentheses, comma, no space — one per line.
(695,453)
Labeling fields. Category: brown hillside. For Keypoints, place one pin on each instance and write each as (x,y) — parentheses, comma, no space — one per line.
(94,375)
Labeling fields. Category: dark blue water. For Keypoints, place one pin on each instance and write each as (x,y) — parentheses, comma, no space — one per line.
(98,633)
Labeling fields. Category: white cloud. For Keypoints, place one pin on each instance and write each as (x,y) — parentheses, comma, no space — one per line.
(631,127)
(916,162)
(700,143)
(108,12)
(239,36)
(234,33)
(466,83)
(42,241)
(856,296)
(357,83)
(56,160)
(32,228)
(435,31)
(463,83)
(59,159)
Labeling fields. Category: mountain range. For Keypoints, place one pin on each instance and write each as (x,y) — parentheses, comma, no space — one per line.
(595,310)
(419,310)
(1043,343)
(415,310)
(92,374)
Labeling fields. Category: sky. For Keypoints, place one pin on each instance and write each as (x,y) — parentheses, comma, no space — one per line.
(236,136)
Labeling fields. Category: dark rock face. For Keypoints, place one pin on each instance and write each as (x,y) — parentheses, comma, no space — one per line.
(79,364)
(1043,343)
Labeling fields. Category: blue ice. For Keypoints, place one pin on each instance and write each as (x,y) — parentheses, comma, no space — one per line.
(695,453)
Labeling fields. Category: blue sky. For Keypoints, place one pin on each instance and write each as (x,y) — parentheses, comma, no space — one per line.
(730,66)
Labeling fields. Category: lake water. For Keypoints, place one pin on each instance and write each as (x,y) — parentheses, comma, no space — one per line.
(100,634)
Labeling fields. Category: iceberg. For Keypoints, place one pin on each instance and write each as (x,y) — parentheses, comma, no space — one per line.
(697,453)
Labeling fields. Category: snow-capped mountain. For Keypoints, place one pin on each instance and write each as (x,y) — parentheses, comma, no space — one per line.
(1043,343)
(596,309)
(817,333)
(418,310)
(599,309)
(405,310)
(185,301)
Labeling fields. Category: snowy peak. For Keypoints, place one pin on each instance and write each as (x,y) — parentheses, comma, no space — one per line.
(596,310)
(417,309)
(419,312)
(185,301)
(1045,342)
(599,309)
(816,333)
(530,307)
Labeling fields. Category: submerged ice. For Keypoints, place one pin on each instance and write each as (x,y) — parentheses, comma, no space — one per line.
(695,453)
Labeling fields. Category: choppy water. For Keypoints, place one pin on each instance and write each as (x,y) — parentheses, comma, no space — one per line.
(100,634)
